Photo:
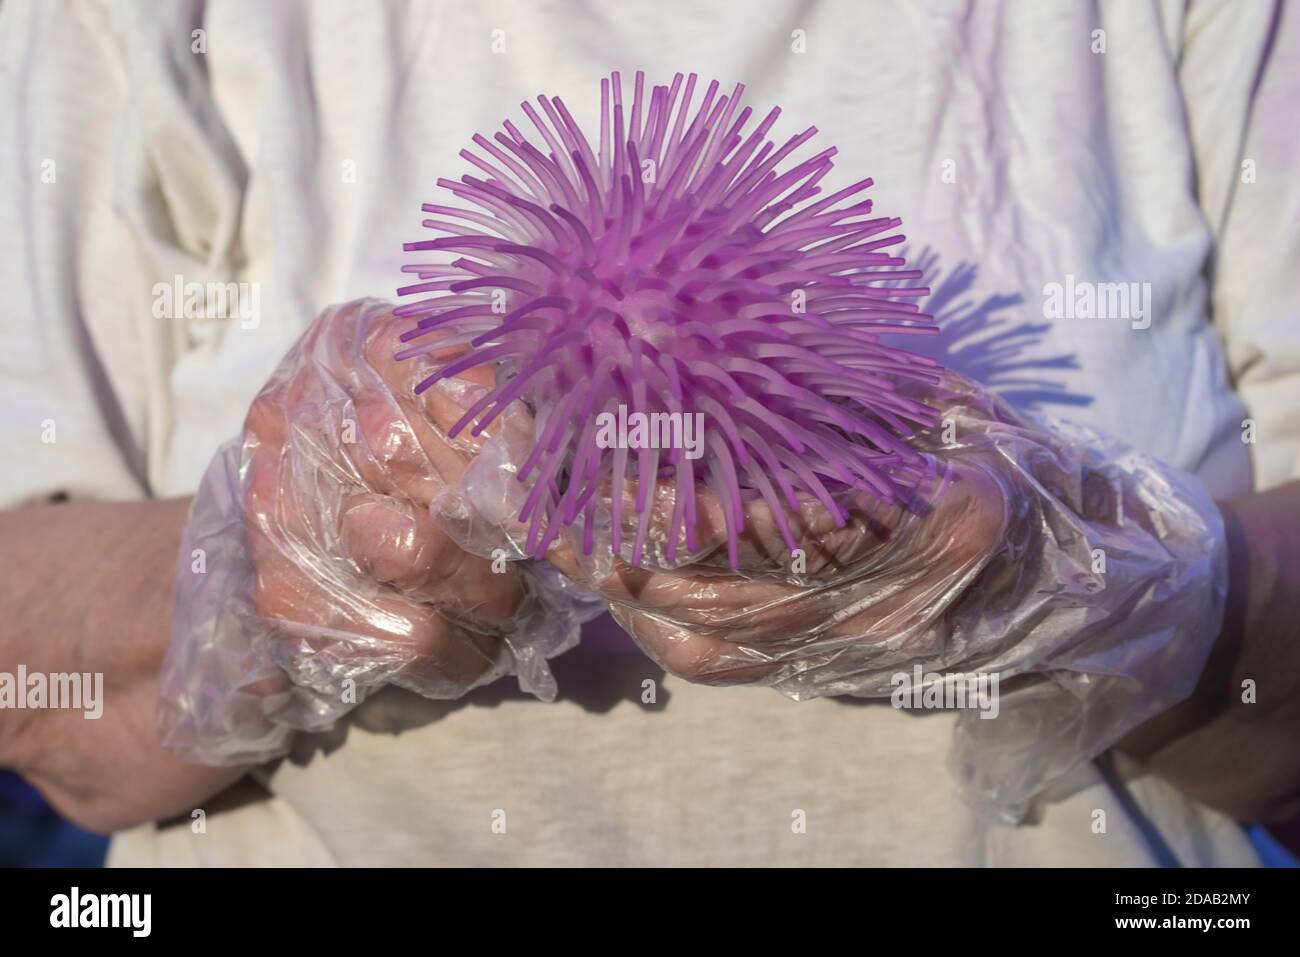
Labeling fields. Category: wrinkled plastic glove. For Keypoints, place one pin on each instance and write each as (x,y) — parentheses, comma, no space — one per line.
(1037,551)
(312,571)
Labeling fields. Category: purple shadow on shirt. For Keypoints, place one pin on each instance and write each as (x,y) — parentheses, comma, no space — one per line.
(983,340)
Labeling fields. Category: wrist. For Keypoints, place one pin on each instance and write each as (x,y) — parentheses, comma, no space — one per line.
(1263,561)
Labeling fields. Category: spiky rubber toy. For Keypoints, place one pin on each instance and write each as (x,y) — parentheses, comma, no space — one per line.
(678,270)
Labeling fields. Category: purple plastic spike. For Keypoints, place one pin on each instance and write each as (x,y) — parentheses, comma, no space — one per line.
(679,270)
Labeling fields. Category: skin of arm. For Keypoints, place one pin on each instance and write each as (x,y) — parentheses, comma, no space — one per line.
(1237,755)
(89,589)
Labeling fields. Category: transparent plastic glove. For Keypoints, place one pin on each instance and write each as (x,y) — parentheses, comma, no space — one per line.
(1037,551)
(312,571)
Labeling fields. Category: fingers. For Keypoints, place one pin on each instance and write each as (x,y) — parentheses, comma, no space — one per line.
(342,461)
(826,544)
(402,546)
(383,343)
(717,628)
(710,533)
(884,573)
(390,622)
(726,660)
(441,405)
(694,657)
(763,590)
(408,435)
(393,458)
(382,632)
(343,399)
(848,625)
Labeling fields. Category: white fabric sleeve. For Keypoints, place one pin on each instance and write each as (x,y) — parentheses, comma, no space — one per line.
(1240,74)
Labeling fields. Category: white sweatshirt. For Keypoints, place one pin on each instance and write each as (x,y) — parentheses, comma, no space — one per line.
(289,146)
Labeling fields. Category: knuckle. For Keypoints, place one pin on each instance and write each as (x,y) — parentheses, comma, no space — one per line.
(426,633)
(687,658)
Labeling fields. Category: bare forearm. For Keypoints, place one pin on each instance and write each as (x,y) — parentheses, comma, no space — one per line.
(1235,744)
(88,590)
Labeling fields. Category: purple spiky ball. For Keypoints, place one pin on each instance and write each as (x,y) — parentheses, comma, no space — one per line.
(683,268)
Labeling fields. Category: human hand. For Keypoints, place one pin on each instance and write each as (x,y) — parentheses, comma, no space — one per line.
(880,587)
(331,574)
(342,463)
(1034,549)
